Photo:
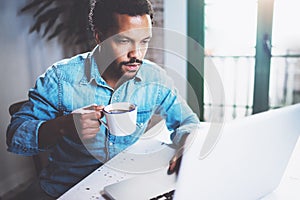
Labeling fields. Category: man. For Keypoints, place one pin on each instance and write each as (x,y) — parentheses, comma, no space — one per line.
(56,119)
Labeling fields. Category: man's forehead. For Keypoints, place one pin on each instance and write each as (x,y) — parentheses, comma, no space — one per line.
(132,33)
(125,22)
(133,27)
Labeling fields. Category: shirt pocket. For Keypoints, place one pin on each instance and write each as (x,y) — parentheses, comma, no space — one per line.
(143,117)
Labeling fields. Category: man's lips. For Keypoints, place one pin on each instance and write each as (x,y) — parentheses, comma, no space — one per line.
(132,67)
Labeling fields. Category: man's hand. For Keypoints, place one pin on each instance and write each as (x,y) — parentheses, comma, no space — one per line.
(185,141)
(81,123)
(86,121)
(175,162)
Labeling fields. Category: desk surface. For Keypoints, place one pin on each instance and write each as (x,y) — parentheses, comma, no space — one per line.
(129,164)
(289,188)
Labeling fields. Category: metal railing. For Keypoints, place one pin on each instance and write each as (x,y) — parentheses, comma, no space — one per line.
(237,74)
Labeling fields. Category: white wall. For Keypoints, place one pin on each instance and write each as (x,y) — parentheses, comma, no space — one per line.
(22,58)
(175,24)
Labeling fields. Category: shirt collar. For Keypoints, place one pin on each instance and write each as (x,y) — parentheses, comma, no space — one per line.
(91,71)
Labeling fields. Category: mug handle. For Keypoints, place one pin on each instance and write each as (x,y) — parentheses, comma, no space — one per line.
(104,123)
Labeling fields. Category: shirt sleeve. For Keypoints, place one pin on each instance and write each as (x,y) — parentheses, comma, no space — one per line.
(180,119)
(22,132)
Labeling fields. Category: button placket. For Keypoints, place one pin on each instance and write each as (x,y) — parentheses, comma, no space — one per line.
(115,97)
(111,143)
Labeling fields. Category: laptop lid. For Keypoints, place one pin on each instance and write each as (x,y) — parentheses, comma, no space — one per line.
(247,162)
(146,163)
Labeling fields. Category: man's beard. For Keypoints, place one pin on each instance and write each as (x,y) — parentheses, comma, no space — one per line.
(131,61)
(122,76)
(129,73)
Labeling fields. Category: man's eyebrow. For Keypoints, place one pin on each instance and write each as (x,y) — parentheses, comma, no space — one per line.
(118,36)
(121,36)
(147,38)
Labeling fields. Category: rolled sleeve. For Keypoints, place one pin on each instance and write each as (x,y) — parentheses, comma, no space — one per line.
(180,119)
(25,140)
(182,130)
(22,132)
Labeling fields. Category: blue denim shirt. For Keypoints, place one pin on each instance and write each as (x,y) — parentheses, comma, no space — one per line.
(76,82)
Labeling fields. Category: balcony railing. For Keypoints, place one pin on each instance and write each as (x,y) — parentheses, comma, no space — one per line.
(237,74)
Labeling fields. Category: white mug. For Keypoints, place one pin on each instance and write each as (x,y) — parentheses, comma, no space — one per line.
(120,118)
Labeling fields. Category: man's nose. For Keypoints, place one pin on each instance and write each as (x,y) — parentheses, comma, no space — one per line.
(135,52)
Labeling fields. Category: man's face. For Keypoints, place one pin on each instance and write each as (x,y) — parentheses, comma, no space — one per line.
(127,43)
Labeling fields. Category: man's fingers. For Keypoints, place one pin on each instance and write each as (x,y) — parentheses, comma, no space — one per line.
(95,115)
(89,109)
(172,165)
(87,124)
(89,133)
(94,107)
(175,162)
(88,136)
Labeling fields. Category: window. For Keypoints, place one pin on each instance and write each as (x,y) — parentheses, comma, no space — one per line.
(230,36)
(285,61)
(233,33)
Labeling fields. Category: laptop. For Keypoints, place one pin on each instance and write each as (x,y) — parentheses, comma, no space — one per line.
(247,161)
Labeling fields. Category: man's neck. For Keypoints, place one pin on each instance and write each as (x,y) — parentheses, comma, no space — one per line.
(112,79)
(108,72)
(105,70)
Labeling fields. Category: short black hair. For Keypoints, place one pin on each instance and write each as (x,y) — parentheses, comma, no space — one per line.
(101,13)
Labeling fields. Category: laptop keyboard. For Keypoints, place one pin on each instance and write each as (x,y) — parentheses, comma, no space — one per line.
(167,196)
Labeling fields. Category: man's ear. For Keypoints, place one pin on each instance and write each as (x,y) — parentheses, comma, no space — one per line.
(97,37)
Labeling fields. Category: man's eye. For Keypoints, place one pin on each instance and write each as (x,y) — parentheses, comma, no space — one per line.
(123,41)
(145,42)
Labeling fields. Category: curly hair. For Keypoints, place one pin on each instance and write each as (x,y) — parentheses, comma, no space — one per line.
(101,13)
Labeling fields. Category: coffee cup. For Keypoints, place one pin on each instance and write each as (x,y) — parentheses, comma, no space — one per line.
(120,118)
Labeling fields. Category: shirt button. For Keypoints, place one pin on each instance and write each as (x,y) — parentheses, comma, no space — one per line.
(110,143)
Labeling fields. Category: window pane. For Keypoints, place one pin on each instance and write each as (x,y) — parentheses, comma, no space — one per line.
(285,63)
(286,29)
(284,81)
(230,27)
(230,37)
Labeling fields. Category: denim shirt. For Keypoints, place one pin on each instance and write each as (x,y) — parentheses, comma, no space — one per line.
(75,83)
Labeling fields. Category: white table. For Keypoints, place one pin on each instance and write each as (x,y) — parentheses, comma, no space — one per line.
(149,151)
(289,188)
(129,164)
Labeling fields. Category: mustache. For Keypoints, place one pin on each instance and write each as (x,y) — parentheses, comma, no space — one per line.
(132,61)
